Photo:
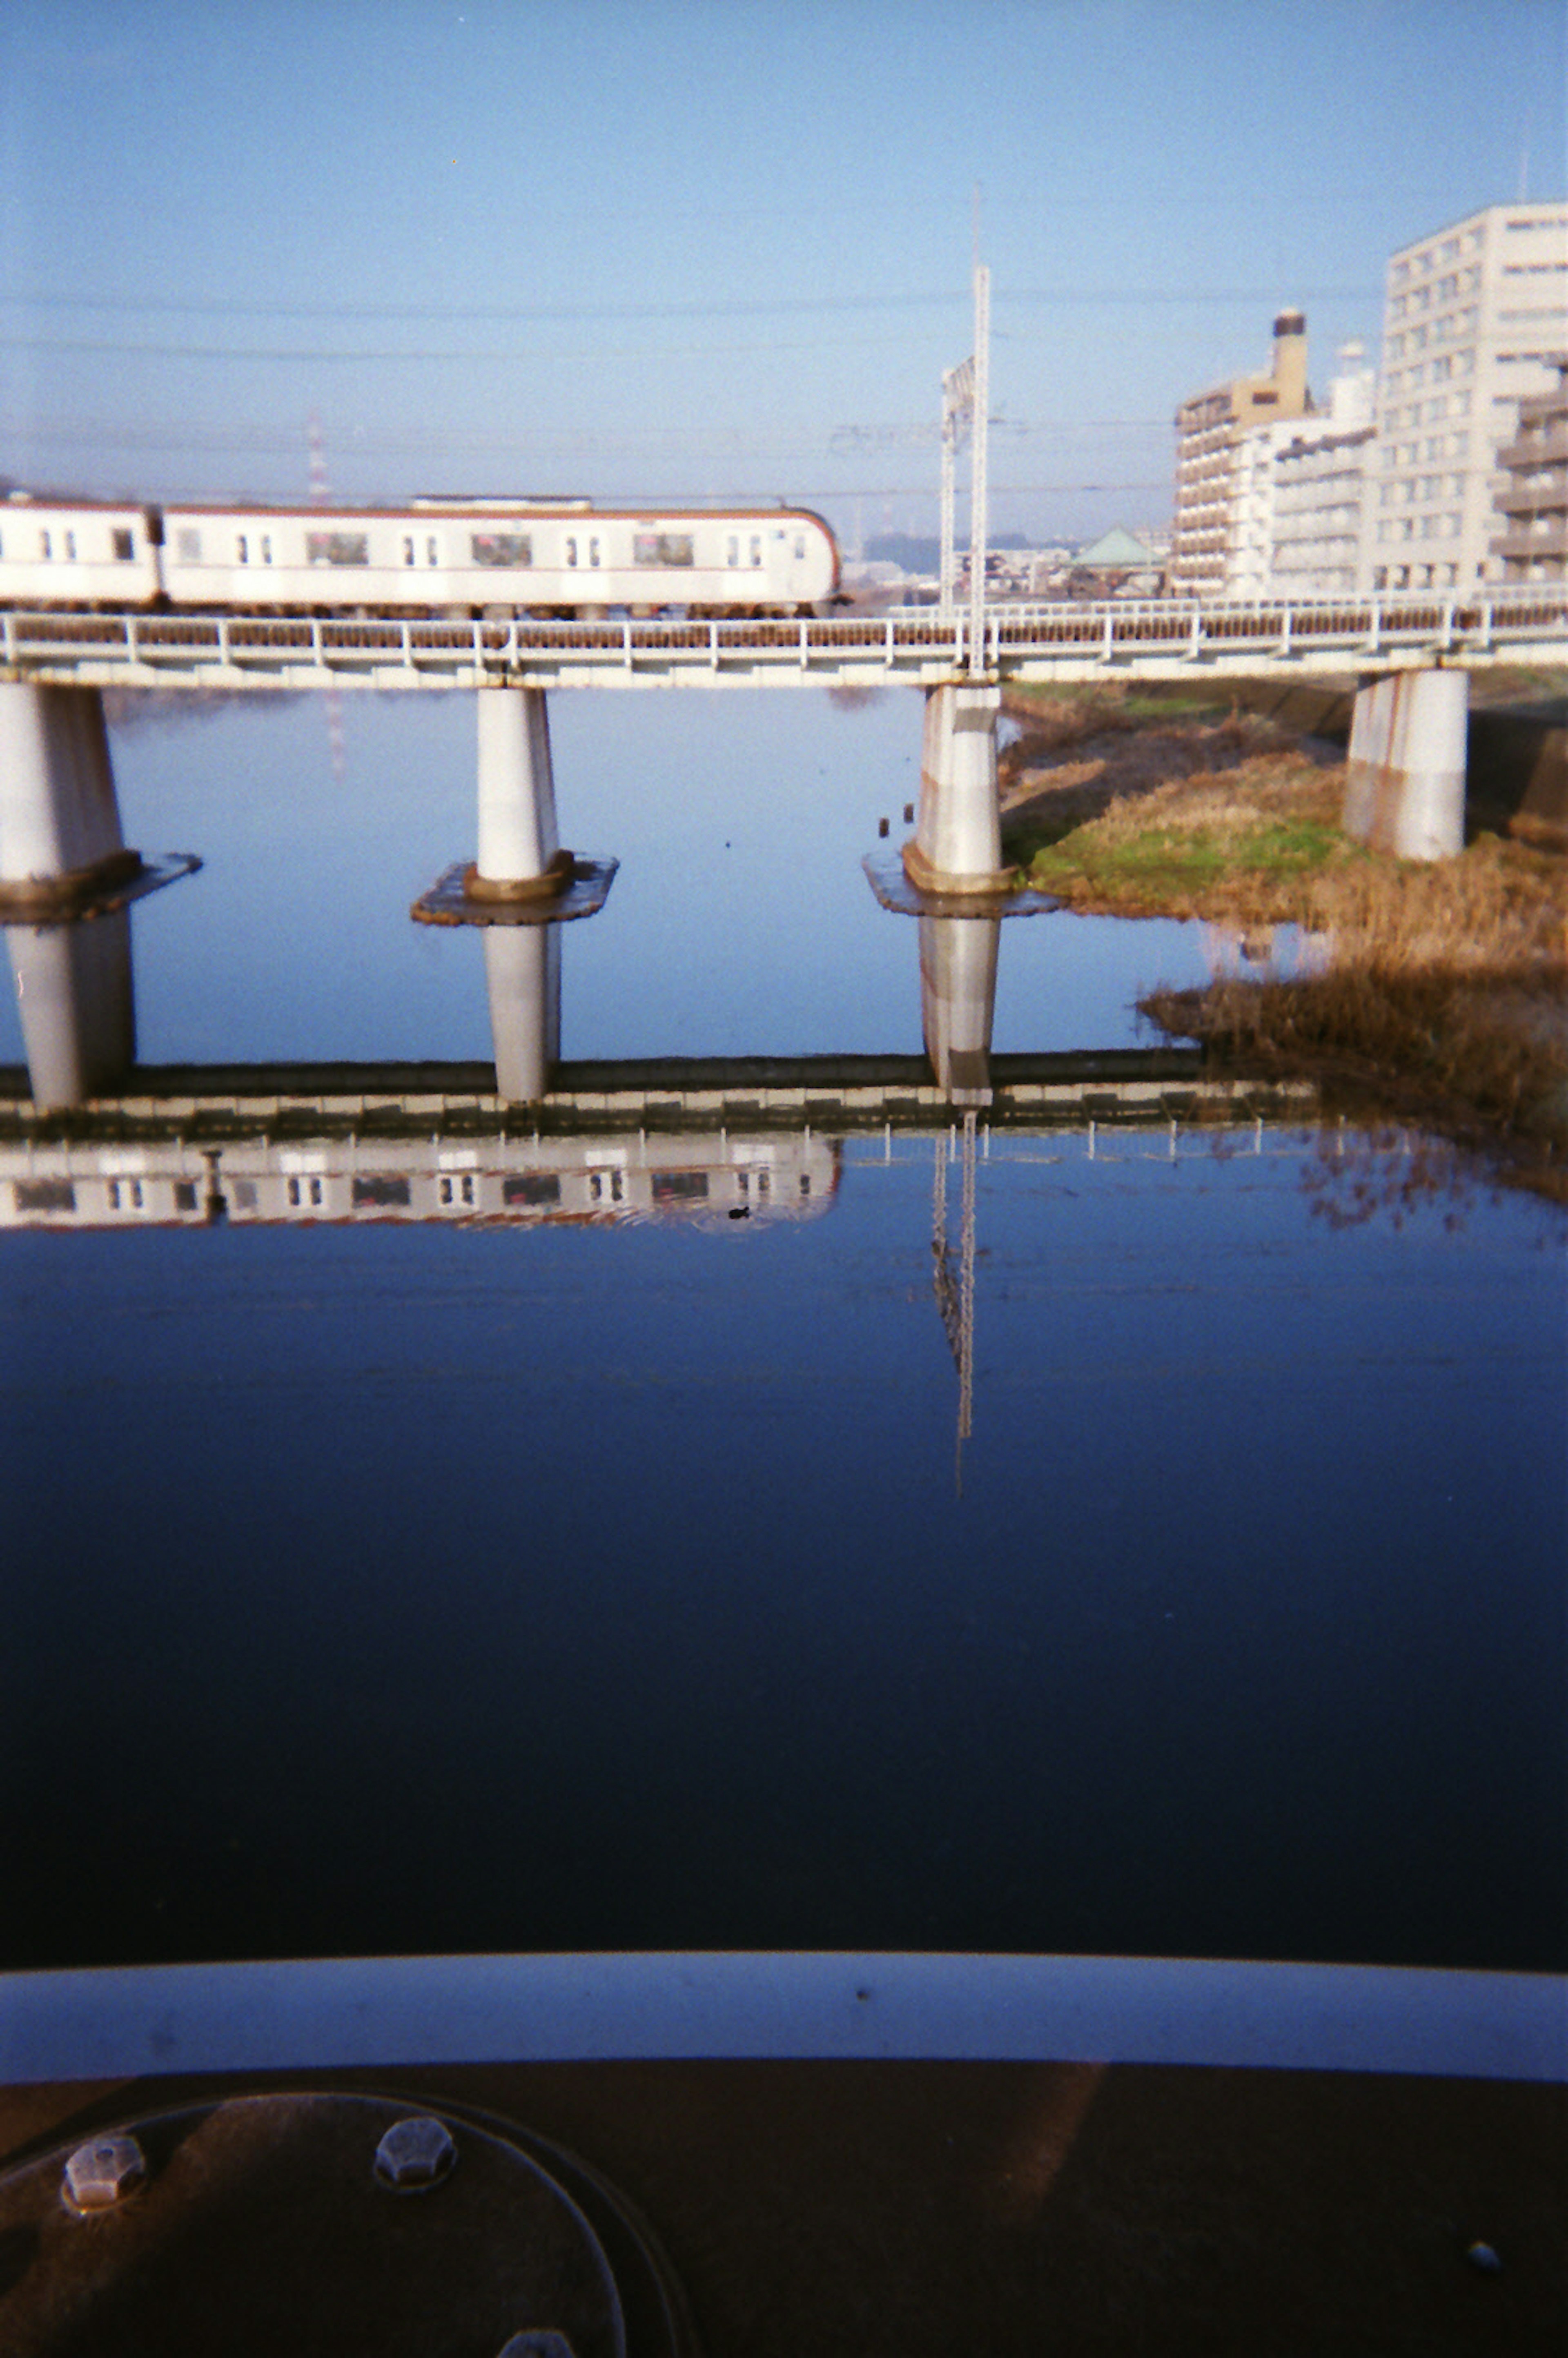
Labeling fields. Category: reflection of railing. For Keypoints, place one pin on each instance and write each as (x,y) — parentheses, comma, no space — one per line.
(1019,639)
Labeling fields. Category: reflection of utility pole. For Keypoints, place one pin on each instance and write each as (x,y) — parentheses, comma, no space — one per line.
(955,1293)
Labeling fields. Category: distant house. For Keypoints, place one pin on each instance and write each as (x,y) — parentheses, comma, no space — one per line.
(1117,565)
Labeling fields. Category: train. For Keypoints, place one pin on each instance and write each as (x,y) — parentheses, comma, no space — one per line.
(440,555)
(728,1184)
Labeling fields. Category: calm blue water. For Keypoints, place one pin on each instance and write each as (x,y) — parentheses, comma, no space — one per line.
(397,1588)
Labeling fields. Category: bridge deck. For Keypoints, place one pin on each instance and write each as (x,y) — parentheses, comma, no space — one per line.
(1158,640)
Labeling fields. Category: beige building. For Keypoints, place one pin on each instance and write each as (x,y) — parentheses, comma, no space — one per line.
(1533,502)
(1220,451)
(1473,323)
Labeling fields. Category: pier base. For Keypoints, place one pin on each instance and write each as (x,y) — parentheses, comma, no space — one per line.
(958,1002)
(1404,789)
(523,977)
(957,842)
(61,842)
(74,992)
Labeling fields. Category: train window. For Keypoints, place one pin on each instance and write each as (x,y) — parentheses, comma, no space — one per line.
(756,548)
(184,1195)
(571,552)
(244,548)
(679,1186)
(593,552)
(124,547)
(70,546)
(503,548)
(113,1194)
(732,549)
(337,548)
(372,1189)
(188,546)
(408,549)
(531,1188)
(663,548)
(799,547)
(267,549)
(430,557)
(44,1195)
(46,549)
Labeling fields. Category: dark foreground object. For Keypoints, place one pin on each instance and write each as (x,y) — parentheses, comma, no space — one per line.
(927,2208)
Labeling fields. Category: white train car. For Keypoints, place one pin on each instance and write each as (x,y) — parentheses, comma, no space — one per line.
(78,555)
(564,557)
(697,1180)
(435,557)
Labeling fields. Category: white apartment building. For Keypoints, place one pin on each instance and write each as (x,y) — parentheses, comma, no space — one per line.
(1475,318)
(1219,436)
(1319,488)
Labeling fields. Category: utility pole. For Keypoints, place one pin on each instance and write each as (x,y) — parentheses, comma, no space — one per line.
(977,470)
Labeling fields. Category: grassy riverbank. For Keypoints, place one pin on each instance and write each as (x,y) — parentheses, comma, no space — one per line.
(1439,994)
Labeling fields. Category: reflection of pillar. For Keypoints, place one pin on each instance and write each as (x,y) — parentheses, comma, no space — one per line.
(73,986)
(957,1001)
(522,974)
(519,847)
(958,843)
(1404,786)
(60,823)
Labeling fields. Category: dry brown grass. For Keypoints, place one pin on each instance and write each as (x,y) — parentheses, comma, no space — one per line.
(1440,991)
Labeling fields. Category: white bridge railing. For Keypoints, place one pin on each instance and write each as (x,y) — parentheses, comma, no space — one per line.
(1020,641)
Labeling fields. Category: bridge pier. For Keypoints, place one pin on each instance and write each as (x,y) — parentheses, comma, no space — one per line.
(957,842)
(523,979)
(60,841)
(519,856)
(957,1002)
(1404,789)
(77,1009)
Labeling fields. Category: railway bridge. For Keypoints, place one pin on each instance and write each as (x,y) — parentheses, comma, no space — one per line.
(62,849)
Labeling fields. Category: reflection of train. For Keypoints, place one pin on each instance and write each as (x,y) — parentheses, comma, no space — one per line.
(695,1180)
(435,557)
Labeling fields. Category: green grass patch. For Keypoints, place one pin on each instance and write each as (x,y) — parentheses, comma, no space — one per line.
(1187,870)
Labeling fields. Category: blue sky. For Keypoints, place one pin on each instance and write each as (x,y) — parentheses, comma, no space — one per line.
(682,249)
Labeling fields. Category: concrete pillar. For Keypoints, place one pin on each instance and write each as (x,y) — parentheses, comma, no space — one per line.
(79,1023)
(522,975)
(1404,788)
(958,1002)
(520,855)
(59,821)
(958,843)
